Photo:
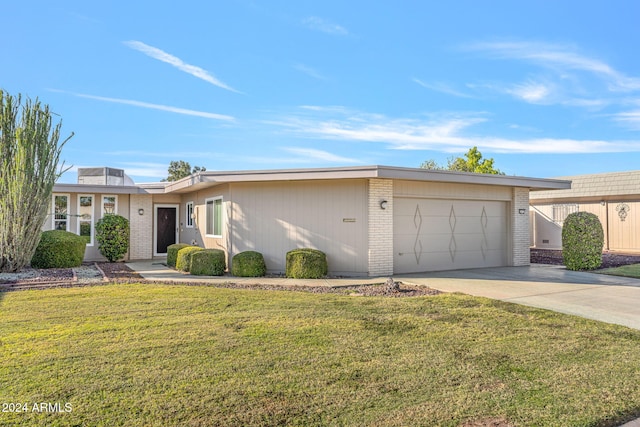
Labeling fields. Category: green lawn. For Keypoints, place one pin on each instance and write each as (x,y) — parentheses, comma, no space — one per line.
(160,355)
(632,270)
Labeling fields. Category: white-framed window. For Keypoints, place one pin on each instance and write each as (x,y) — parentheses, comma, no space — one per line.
(109,205)
(85,217)
(213,217)
(189,215)
(60,209)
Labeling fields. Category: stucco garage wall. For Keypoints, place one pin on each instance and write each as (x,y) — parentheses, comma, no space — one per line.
(275,217)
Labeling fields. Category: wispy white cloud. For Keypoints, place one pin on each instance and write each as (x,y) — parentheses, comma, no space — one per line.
(319,24)
(160,107)
(162,154)
(530,91)
(312,155)
(630,119)
(559,57)
(441,87)
(303,155)
(145,169)
(447,133)
(163,56)
(311,72)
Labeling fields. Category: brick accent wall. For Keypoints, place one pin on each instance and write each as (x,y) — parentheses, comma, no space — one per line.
(521,237)
(141,227)
(380,228)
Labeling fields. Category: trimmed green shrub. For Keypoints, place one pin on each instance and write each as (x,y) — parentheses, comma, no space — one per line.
(183,261)
(208,262)
(306,264)
(112,234)
(582,241)
(172,253)
(59,249)
(248,264)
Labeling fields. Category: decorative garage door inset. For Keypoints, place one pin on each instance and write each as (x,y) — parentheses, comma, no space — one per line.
(432,235)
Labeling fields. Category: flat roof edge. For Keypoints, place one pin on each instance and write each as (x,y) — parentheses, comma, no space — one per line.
(101,189)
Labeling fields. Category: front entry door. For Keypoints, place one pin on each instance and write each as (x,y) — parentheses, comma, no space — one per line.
(166,226)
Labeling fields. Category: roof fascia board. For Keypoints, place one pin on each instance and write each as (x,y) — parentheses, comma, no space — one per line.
(414,174)
(98,189)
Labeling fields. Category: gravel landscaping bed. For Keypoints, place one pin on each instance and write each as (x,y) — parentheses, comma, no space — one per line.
(609,259)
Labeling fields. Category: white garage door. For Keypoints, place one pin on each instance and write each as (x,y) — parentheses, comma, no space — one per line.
(433,235)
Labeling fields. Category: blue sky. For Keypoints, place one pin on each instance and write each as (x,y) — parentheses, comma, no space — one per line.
(546,88)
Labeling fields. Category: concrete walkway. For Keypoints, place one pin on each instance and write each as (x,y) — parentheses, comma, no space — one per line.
(593,296)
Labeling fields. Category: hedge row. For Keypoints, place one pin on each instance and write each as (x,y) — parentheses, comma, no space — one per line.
(303,263)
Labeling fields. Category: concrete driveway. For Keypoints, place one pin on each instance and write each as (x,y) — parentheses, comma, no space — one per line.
(594,296)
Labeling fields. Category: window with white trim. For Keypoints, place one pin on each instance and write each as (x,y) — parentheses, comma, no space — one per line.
(189,215)
(60,212)
(109,205)
(85,217)
(213,217)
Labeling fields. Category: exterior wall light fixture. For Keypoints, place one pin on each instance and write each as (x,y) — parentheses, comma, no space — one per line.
(140,211)
(383,204)
(522,211)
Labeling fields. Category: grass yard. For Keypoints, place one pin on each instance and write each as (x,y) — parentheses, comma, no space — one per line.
(631,270)
(160,355)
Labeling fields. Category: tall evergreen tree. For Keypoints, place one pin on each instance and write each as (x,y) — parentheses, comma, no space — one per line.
(29,157)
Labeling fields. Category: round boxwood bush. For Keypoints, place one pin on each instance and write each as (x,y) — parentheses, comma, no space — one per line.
(172,253)
(59,249)
(208,262)
(582,241)
(183,261)
(306,263)
(112,234)
(248,264)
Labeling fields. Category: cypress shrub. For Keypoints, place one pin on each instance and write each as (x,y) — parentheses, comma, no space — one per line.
(248,264)
(172,253)
(208,262)
(59,249)
(183,261)
(582,241)
(112,234)
(306,263)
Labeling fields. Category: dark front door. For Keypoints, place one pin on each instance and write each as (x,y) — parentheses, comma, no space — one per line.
(166,229)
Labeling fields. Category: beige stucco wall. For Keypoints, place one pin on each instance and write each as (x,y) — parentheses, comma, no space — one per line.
(196,235)
(276,217)
(619,235)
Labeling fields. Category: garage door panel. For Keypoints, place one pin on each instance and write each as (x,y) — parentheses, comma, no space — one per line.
(432,234)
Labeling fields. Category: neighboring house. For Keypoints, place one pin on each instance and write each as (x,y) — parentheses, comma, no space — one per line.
(369,220)
(613,197)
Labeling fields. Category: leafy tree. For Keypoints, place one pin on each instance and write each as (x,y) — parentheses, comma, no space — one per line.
(472,162)
(432,165)
(29,157)
(179,169)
